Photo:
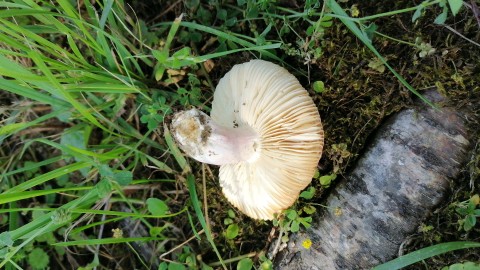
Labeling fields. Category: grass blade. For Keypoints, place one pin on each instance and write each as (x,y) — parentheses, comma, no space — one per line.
(201,217)
(17,196)
(47,176)
(33,166)
(105,241)
(425,253)
(175,151)
(253,48)
(226,36)
(61,91)
(16,127)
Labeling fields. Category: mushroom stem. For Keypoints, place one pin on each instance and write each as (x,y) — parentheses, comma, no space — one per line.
(206,141)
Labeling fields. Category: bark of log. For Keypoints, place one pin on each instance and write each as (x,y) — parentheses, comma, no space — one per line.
(399,179)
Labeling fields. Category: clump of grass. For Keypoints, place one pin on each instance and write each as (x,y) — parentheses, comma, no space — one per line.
(71,150)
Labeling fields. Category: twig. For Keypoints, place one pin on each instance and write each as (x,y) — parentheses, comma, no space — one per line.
(238,258)
(180,245)
(277,245)
(462,36)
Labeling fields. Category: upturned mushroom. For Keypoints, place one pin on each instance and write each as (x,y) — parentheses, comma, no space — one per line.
(265,133)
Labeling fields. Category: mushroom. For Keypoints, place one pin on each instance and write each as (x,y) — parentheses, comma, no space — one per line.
(265,133)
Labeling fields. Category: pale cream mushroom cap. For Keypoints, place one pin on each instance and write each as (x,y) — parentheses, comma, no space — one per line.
(265,97)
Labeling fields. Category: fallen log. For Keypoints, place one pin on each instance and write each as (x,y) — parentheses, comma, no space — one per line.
(399,179)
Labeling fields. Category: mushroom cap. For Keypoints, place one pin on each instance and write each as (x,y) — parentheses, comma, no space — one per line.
(267,98)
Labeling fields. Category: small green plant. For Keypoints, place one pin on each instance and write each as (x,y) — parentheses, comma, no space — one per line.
(469,212)
(325,180)
(233,229)
(153,114)
(454,5)
(265,263)
(425,48)
(245,264)
(291,219)
(338,153)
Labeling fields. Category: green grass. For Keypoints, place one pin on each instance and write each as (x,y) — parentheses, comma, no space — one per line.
(425,253)
(84,137)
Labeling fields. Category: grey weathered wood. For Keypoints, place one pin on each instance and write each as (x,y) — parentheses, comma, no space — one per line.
(399,179)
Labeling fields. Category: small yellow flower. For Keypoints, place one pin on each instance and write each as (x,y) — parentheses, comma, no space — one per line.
(117,233)
(338,211)
(307,243)
(475,199)
(354,11)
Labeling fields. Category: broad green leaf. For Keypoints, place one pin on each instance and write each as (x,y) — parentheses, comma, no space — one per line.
(308,194)
(291,214)
(163,266)
(75,137)
(38,259)
(222,14)
(103,188)
(6,239)
(123,178)
(470,222)
(309,209)
(326,180)
(455,6)
(156,231)
(232,231)
(231,213)
(370,31)
(105,171)
(245,264)
(206,266)
(417,13)
(306,221)
(176,266)
(442,17)
(157,207)
(318,87)
(295,227)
